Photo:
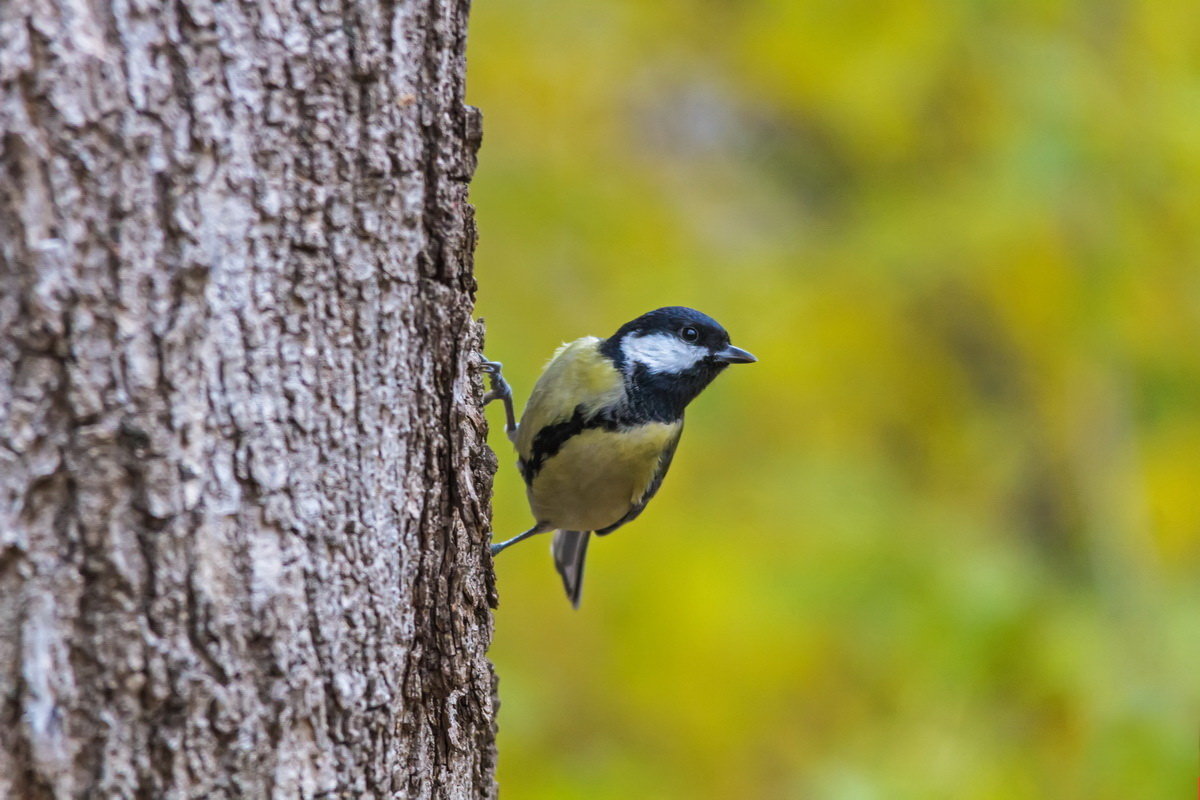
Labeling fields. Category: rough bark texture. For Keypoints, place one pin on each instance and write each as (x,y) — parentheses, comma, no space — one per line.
(243,480)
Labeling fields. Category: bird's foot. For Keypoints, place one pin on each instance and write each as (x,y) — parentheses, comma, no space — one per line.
(500,390)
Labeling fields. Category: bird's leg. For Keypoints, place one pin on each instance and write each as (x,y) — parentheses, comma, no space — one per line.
(496,548)
(500,391)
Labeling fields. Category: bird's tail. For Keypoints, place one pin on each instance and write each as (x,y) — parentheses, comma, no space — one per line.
(569,549)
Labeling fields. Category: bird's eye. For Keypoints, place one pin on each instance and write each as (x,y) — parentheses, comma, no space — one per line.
(689,334)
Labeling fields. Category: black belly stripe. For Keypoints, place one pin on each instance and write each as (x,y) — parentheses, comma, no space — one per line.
(549,440)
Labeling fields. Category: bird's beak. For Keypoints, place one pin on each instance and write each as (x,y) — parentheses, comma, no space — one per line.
(734,355)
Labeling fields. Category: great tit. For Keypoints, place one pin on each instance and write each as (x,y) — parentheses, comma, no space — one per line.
(602,424)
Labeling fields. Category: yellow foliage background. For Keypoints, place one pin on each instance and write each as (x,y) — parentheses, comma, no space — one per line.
(944,539)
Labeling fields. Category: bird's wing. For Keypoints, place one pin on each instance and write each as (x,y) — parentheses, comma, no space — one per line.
(578,377)
(664,463)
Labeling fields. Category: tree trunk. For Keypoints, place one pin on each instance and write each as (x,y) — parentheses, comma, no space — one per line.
(243,480)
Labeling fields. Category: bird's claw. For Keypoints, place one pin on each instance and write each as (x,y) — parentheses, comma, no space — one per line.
(500,390)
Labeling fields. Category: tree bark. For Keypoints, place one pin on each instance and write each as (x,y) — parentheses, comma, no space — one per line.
(243,480)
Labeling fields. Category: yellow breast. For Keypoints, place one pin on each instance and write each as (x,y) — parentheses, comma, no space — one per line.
(598,476)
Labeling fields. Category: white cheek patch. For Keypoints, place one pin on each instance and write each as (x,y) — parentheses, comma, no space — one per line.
(662,352)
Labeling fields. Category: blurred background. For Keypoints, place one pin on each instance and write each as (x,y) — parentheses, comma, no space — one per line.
(944,539)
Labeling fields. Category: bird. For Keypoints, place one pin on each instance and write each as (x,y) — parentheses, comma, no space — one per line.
(602,423)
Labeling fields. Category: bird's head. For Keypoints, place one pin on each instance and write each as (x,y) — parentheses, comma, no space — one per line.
(670,354)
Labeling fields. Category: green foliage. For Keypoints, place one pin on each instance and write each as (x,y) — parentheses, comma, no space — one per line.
(942,540)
